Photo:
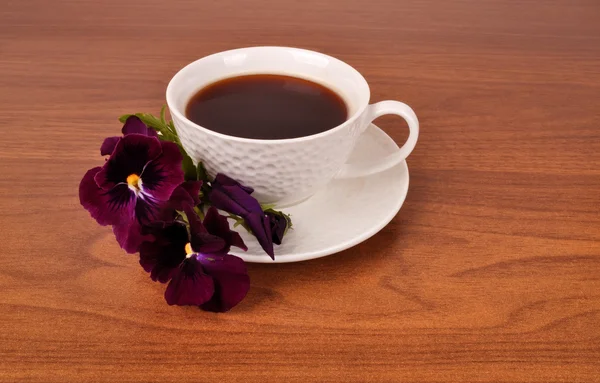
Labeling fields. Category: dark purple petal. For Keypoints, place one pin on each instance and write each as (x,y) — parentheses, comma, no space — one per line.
(278,224)
(201,240)
(233,199)
(130,156)
(207,243)
(222,179)
(134,125)
(147,209)
(231,281)
(220,200)
(193,189)
(188,193)
(129,235)
(108,146)
(93,199)
(164,254)
(241,197)
(189,285)
(229,195)
(218,225)
(164,173)
(106,207)
(259,225)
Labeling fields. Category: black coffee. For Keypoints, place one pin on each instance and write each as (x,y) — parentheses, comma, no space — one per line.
(266,107)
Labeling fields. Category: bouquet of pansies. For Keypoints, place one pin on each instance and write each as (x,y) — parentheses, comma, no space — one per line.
(162,205)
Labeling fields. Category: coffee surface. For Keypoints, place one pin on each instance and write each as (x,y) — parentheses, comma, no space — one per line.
(265,106)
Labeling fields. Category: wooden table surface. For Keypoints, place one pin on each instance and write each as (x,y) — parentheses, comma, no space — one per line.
(489,273)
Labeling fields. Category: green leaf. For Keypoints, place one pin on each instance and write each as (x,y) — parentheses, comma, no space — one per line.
(202,174)
(189,170)
(162,114)
(199,212)
(289,225)
(151,121)
(245,226)
(124,117)
(183,216)
(239,221)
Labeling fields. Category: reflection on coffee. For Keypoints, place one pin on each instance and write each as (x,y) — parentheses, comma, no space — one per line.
(267,106)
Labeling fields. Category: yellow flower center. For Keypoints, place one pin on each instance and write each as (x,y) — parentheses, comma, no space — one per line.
(188,250)
(135,182)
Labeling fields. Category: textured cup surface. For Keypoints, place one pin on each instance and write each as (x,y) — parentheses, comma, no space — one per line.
(280,171)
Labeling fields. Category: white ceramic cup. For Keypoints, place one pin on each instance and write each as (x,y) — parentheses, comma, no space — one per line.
(284,171)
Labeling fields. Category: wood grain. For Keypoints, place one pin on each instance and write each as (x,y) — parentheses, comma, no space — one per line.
(490,272)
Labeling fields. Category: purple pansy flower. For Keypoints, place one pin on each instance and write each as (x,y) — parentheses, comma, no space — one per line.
(134,184)
(198,266)
(229,195)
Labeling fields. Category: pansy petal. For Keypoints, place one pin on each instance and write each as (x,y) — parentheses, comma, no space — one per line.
(229,195)
(130,156)
(94,199)
(196,225)
(207,243)
(108,146)
(189,286)
(147,209)
(129,235)
(106,207)
(163,174)
(278,224)
(259,225)
(150,255)
(188,193)
(220,200)
(242,198)
(201,240)
(134,125)
(231,281)
(193,189)
(234,200)
(164,254)
(237,241)
(224,180)
(218,225)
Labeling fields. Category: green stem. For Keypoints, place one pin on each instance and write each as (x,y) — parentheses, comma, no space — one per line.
(199,212)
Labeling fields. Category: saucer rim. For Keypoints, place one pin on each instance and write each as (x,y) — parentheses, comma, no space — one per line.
(306,256)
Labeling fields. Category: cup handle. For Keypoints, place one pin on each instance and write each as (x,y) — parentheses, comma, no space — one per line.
(377,110)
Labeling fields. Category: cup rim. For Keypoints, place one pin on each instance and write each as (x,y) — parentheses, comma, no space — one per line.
(352,118)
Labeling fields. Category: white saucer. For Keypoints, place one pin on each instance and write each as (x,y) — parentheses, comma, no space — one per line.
(345,213)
